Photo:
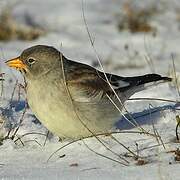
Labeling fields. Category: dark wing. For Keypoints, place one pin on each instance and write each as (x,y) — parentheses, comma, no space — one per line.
(90,82)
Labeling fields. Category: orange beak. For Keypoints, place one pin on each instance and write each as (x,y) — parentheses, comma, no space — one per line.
(16,63)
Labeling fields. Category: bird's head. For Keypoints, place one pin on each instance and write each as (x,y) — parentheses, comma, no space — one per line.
(36,60)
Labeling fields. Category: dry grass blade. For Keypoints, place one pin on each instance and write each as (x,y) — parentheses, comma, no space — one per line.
(124,132)
(2,84)
(100,134)
(99,61)
(77,115)
(46,138)
(14,90)
(23,114)
(27,134)
(34,140)
(175,76)
(72,142)
(178,124)
(148,57)
(134,123)
(135,155)
(156,133)
(20,122)
(106,157)
(11,99)
(153,146)
(153,99)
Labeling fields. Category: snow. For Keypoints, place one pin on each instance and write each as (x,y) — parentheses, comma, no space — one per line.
(66,31)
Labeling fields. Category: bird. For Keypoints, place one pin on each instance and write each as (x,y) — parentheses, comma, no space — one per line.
(71,99)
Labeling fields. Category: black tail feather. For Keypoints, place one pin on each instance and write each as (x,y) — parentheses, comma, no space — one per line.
(140,80)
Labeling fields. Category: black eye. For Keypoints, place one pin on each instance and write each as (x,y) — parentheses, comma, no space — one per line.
(31,61)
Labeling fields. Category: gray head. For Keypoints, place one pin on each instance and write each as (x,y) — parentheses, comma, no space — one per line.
(37,60)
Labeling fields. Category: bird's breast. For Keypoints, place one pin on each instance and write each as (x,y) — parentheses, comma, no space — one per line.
(51,104)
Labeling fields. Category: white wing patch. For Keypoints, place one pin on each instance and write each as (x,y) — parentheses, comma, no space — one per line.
(120,84)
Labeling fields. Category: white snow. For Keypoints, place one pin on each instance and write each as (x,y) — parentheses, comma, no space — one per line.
(66,31)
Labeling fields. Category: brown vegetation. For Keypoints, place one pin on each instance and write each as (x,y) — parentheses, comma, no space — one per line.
(10,29)
(137,20)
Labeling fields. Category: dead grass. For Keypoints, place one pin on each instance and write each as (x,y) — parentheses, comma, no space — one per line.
(137,20)
(177,155)
(141,162)
(10,29)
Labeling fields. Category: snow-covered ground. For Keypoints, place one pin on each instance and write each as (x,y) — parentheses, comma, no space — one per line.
(65,30)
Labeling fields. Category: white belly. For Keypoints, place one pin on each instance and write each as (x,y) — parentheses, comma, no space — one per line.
(65,119)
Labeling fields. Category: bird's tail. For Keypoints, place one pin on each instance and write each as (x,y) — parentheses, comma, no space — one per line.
(139,83)
(146,79)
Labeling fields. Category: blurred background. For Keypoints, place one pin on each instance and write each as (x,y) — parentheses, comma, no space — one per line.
(131,36)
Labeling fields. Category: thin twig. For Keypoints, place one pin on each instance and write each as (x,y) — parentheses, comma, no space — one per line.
(175,76)
(124,146)
(46,138)
(77,114)
(134,123)
(154,129)
(20,122)
(157,136)
(106,157)
(148,57)
(26,134)
(34,140)
(153,99)
(178,124)
(72,142)
(2,83)
(100,134)
(20,140)
(99,61)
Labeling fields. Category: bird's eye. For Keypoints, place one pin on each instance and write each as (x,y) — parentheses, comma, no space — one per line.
(31,61)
